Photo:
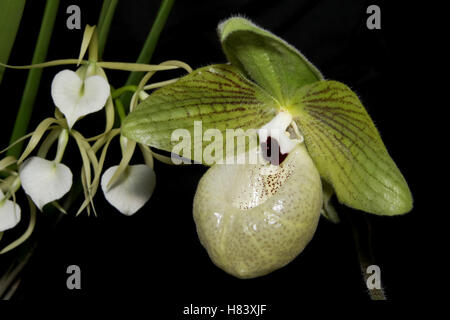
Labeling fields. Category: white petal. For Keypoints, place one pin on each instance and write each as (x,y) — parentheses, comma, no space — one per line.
(9,214)
(275,126)
(74,102)
(132,190)
(45,181)
(287,144)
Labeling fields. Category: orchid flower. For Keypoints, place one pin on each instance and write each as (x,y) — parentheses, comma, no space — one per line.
(76,94)
(251,223)
(9,213)
(79,93)
(131,190)
(128,187)
(44,180)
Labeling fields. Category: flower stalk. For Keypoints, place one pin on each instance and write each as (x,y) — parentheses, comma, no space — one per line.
(62,143)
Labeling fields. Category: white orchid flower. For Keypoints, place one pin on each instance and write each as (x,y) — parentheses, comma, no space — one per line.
(45,181)
(9,213)
(131,190)
(76,96)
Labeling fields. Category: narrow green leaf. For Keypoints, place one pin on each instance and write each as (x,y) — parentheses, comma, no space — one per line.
(150,44)
(218,96)
(270,61)
(10,16)
(348,151)
(34,76)
(104,23)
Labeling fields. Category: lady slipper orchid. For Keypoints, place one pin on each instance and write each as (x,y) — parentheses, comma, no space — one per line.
(44,181)
(252,220)
(131,190)
(9,213)
(76,96)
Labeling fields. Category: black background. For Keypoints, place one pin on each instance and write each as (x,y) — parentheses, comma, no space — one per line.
(155,255)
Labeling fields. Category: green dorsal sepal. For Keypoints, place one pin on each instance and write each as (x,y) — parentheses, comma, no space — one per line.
(271,62)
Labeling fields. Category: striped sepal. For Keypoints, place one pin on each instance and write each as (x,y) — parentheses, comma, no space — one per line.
(217,95)
(348,151)
(271,62)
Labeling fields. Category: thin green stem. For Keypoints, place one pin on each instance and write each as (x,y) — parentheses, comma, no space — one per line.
(62,144)
(150,44)
(363,244)
(120,109)
(118,92)
(104,23)
(93,47)
(34,76)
